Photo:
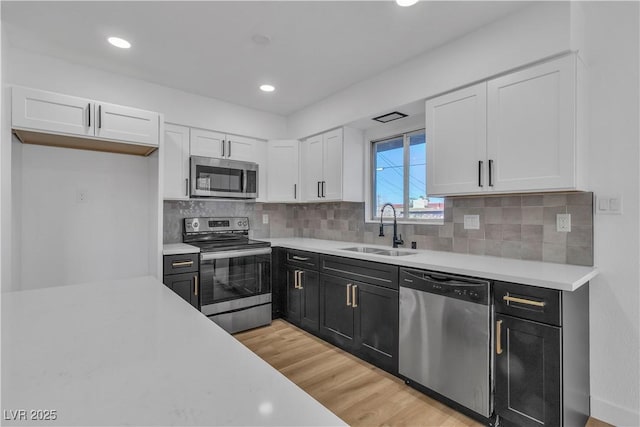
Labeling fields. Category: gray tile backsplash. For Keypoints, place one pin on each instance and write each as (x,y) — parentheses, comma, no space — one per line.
(511,226)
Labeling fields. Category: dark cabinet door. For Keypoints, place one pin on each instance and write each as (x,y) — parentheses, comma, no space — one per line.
(528,372)
(309,288)
(186,285)
(294,296)
(376,325)
(336,312)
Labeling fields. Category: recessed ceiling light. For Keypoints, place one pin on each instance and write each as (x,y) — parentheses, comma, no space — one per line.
(261,39)
(267,88)
(118,42)
(406,3)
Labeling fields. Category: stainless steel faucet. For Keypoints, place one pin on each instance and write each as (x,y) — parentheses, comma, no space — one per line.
(396,240)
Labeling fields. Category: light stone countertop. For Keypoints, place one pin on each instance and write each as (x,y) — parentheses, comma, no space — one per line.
(132,352)
(543,274)
(179,249)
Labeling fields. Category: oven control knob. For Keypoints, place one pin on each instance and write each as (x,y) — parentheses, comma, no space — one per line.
(244,222)
(239,223)
(196,225)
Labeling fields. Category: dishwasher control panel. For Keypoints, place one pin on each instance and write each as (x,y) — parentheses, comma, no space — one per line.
(458,287)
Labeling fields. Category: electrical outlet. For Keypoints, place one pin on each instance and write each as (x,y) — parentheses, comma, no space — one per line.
(82,196)
(472,222)
(265,218)
(563,223)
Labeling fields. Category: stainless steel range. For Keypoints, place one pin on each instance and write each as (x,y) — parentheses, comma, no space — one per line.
(235,272)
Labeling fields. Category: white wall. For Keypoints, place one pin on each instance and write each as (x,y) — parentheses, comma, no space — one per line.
(26,69)
(65,241)
(612,55)
(529,35)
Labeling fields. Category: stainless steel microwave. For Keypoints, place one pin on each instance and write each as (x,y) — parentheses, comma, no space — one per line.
(223,178)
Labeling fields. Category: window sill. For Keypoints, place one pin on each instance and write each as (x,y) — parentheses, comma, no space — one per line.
(407,221)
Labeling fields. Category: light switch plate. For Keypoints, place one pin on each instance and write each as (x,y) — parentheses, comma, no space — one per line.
(563,223)
(609,205)
(472,222)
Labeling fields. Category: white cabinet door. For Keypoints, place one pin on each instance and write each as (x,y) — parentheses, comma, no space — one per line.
(126,124)
(259,156)
(176,162)
(52,112)
(282,174)
(241,148)
(331,188)
(312,158)
(207,143)
(531,125)
(456,134)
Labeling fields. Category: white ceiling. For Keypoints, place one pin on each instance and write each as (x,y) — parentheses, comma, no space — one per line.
(317,48)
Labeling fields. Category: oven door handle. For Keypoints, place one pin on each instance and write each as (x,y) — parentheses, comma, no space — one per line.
(234,254)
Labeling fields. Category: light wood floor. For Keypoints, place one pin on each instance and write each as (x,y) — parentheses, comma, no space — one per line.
(354,390)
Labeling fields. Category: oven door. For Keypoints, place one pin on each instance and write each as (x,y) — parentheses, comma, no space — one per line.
(223,178)
(231,280)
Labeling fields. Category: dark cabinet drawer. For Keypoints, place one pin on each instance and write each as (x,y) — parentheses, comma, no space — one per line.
(302,259)
(183,263)
(528,302)
(364,271)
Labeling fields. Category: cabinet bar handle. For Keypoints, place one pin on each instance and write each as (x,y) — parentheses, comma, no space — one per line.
(324,194)
(89,115)
(524,301)
(300,273)
(229,153)
(295,191)
(499,337)
(99,116)
(195,290)
(490,173)
(295,279)
(480,162)
(319,189)
(222,144)
(182,263)
(349,295)
(299,258)
(354,304)
(186,186)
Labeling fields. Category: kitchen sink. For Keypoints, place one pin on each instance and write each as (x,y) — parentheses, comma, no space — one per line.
(378,251)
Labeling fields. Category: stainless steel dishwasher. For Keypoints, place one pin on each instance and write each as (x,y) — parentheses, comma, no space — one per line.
(445,336)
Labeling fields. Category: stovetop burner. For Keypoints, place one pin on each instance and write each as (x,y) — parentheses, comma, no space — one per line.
(219,234)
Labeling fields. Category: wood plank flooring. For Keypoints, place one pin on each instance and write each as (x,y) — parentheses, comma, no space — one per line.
(357,392)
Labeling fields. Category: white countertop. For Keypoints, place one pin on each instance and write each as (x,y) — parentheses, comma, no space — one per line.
(179,249)
(544,274)
(133,352)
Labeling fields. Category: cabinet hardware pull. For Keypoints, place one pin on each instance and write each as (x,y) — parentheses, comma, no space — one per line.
(354,304)
(89,115)
(480,162)
(319,189)
(229,153)
(99,116)
(349,295)
(490,173)
(295,191)
(324,194)
(295,279)
(524,301)
(300,273)
(499,337)
(222,144)
(195,279)
(299,258)
(186,186)
(181,263)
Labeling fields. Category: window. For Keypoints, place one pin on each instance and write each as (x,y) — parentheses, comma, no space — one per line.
(399,177)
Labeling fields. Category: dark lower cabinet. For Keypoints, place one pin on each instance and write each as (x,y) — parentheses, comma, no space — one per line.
(181,275)
(337,316)
(528,375)
(541,356)
(302,298)
(184,284)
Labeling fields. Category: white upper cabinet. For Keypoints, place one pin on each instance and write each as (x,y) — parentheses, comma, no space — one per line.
(456,131)
(332,166)
(531,127)
(515,133)
(283,171)
(208,143)
(176,162)
(49,118)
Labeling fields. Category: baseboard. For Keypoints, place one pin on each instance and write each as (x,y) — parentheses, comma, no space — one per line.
(614,414)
